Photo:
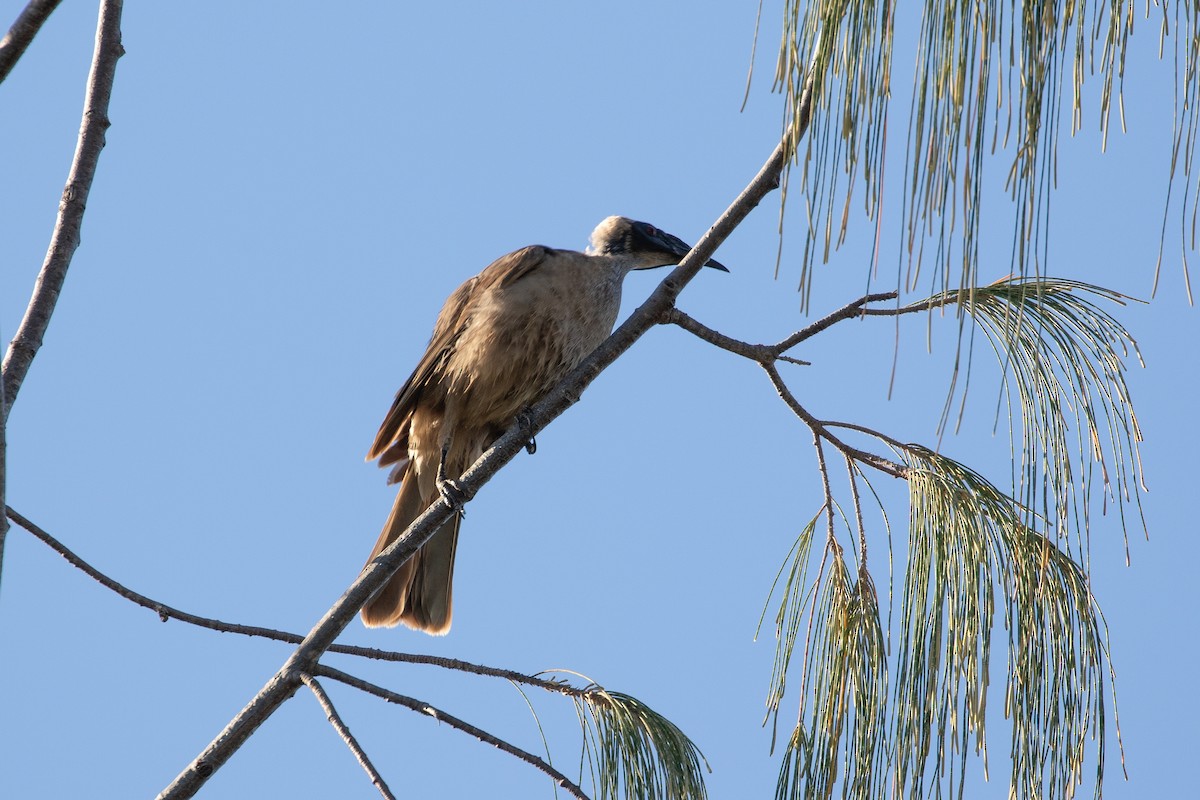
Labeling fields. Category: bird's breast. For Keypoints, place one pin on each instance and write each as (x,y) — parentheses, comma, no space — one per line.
(523,339)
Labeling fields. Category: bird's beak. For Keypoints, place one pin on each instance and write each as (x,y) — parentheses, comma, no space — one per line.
(677,247)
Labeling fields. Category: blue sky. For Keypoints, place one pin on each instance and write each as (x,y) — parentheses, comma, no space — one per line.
(286,198)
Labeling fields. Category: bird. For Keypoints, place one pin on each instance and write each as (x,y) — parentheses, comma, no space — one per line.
(502,340)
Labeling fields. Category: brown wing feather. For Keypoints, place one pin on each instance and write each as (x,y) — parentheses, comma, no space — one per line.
(391,442)
(392,438)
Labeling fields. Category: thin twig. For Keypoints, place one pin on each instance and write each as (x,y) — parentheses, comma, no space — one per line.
(870,459)
(457,665)
(928,304)
(755,352)
(335,720)
(166,612)
(764,353)
(848,311)
(454,722)
(852,469)
(163,610)
(20,35)
(829,507)
(65,239)
(883,437)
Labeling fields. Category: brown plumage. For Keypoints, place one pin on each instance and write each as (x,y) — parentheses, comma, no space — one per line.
(502,340)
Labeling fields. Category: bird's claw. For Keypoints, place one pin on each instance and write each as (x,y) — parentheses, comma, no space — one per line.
(450,491)
(455,497)
(525,422)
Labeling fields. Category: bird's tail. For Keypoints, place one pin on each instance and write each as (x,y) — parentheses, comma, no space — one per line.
(419,594)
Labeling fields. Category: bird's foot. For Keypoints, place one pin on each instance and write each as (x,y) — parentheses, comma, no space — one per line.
(454,496)
(525,421)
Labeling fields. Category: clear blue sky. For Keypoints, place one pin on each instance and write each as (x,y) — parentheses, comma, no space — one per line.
(288,194)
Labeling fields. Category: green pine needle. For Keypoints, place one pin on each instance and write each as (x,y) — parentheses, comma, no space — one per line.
(633,751)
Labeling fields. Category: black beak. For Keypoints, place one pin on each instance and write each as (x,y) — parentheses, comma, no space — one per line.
(657,239)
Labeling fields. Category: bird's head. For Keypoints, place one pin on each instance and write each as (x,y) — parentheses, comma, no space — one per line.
(643,244)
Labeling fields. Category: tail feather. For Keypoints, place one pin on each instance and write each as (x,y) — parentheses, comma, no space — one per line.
(419,594)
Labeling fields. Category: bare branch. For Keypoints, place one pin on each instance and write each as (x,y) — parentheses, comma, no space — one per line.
(338,725)
(831,541)
(848,311)
(870,459)
(755,352)
(852,469)
(928,304)
(556,686)
(65,239)
(166,612)
(20,35)
(883,437)
(454,722)
(763,353)
(766,355)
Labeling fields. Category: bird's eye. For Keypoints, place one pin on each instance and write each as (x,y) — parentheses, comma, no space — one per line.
(651,231)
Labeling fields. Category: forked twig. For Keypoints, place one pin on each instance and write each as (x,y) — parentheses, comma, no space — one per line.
(880,463)
(454,722)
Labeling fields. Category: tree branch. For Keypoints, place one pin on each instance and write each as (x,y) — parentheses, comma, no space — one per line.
(755,352)
(928,304)
(767,354)
(831,536)
(848,311)
(870,459)
(454,722)
(883,437)
(20,35)
(763,353)
(65,239)
(166,612)
(457,665)
(852,470)
(338,725)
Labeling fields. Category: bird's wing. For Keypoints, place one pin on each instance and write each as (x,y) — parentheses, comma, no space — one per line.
(391,442)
